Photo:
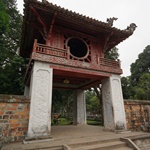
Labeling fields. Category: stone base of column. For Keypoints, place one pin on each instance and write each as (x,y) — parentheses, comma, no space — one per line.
(44,138)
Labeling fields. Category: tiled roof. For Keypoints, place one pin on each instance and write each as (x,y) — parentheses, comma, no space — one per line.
(88,24)
(65,12)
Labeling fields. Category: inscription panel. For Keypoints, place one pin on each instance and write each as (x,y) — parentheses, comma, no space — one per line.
(40,110)
(40,106)
(107,105)
(118,104)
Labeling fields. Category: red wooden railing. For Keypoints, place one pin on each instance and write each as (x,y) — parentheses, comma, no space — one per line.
(65,53)
(109,62)
(49,50)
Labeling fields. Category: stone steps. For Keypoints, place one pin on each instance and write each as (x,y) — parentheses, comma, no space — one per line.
(49,148)
(125,148)
(101,145)
(94,142)
(145,147)
(113,144)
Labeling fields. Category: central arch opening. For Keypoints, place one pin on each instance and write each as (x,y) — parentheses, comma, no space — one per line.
(78,48)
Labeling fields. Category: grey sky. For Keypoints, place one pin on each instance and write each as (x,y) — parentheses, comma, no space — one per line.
(127,11)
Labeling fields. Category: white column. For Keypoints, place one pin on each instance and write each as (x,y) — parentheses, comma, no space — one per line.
(75,107)
(79,107)
(27,91)
(113,105)
(41,100)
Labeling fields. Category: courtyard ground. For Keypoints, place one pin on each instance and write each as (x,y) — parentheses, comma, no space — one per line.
(73,136)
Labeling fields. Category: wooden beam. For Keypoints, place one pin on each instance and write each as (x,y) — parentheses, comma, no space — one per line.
(45,33)
(107,41)
(51,28)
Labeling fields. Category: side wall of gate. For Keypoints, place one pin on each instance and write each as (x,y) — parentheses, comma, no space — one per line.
(137,115)
(14,116)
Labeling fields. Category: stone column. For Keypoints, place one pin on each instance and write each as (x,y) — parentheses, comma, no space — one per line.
(113,105)
(27,91)
(79,112)
(41,100)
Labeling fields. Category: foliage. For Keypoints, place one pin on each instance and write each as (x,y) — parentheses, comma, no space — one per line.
(11,77)
(92,102)
(137,85)
(112,54)
(93,122)
(63,102)
(141,66)
(4,19)
(12,66)
(127,88)
(142,90)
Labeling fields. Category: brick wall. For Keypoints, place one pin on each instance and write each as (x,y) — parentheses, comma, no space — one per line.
(14,115)
(137,115)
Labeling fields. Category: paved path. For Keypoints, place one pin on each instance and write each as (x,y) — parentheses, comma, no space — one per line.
(66,135)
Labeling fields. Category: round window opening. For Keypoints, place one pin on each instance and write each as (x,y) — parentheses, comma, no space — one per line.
(78,48)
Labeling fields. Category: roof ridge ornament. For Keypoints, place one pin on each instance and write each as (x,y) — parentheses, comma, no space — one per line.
(45,2)
(131,27)
(111,20)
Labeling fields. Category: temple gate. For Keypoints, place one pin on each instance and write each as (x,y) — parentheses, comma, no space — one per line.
(66,50)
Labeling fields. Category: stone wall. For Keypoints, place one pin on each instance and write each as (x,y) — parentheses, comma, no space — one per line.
(14,115)
(137,115)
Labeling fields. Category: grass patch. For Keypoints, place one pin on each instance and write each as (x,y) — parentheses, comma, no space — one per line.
(93,122)
(64,121)
(60,121)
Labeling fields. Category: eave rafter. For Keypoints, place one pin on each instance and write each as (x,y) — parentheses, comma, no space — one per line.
(41,22)
(46,30)
(106,41)
(51,26)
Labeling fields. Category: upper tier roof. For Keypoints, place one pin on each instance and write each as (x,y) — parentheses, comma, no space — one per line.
(31,30)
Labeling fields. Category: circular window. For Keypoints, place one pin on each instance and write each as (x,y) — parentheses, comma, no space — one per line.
(78,47)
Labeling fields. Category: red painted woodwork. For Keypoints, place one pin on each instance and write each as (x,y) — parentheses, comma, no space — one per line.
(46,32)
(74,70)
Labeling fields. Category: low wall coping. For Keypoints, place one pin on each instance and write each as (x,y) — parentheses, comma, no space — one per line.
(137,102)
(13,99)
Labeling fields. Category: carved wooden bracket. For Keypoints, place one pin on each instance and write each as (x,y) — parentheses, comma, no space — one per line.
(51,26)
(46,30)
(44,27)
(106,42)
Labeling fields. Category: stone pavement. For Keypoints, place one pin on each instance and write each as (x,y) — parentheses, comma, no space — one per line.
(74,136)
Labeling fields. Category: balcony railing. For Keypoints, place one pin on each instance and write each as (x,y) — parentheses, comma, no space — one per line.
(49,50)
(109,62)
(65,53)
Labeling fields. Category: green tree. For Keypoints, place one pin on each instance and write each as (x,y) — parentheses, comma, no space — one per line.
(12,66)
(112,54)
(142,90)
(141,66)
(134,85)
(92,102)
(127,88)
(4,19)
(63,102)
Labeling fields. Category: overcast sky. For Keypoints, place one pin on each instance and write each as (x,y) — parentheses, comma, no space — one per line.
(127,11)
